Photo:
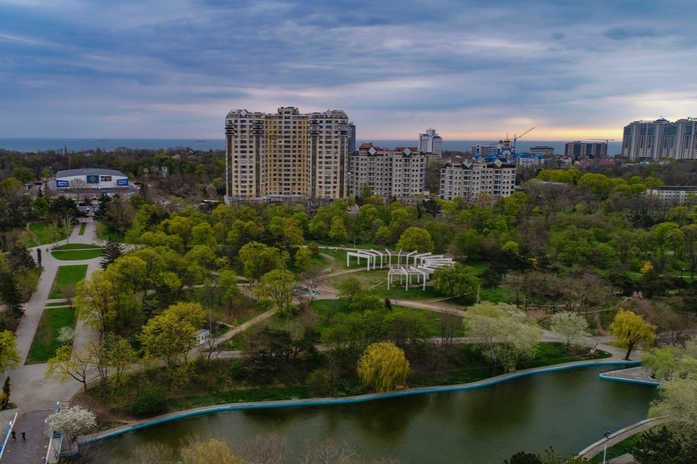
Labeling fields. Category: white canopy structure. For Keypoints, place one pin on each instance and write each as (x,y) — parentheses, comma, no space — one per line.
(408,265)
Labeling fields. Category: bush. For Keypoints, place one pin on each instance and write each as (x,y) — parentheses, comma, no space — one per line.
(150,400)
(237,370)
(320,382)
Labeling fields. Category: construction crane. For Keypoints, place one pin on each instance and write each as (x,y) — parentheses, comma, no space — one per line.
(606,140)
(516,137)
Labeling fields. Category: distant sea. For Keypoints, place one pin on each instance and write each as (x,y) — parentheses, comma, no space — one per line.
(75,145)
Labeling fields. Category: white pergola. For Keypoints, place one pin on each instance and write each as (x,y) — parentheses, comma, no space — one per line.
(408,265)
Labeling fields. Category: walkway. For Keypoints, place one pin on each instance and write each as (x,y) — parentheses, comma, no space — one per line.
(35,395)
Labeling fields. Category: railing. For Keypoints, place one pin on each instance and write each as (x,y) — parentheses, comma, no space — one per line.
(54,448)
(7,435)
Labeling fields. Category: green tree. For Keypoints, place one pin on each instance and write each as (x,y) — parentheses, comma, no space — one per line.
(258,259)
(303,259)
(661,446)
(415,238)
(383,366)
(349,288)
(278,286)
(678,400)
(337,231)
(632,331)
(9,355)
(171,335)
(455,280)
(112,251)
(23,174)
(41,206)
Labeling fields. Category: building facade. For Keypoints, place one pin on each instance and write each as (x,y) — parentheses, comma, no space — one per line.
(287,154)
(351,137)
(431,143)
(543,150)
(398,173)
(470,178)
(582,150)
(660,139)
(676,195)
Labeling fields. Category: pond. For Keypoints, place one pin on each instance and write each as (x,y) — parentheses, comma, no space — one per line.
(567,409)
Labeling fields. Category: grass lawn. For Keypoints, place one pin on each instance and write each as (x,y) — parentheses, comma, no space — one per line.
(74,255)
(105,233)
(77,246)
(65,277)
(44,345)
(82,228)
(620,449)
(41,231)
(326,309)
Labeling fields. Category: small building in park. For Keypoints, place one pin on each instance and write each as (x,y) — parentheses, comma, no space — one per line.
(202,336)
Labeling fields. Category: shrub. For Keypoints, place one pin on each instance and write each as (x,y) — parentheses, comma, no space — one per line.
(237,370)
(150,400)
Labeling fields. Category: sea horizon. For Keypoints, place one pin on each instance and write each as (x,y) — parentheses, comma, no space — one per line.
(73,145)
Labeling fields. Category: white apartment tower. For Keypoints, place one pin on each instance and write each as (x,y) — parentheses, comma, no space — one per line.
(398,173)
(661,139)
(431,143)
(471,178)
(286,154)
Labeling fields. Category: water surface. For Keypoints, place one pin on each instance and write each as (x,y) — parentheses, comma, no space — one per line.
(567,409)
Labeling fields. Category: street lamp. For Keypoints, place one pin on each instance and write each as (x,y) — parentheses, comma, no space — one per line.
(607,435)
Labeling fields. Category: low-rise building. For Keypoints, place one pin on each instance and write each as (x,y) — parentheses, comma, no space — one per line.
(90,183)
(673,194)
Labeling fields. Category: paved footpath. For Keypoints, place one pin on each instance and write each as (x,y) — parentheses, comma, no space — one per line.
(34,395)
(35,447)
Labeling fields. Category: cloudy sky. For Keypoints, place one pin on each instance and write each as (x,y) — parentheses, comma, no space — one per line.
(471,69)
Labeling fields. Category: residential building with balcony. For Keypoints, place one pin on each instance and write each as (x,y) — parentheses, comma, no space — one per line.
(286,154)
(471,178)
(398,173)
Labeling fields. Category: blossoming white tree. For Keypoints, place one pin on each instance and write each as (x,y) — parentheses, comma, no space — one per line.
(73,422)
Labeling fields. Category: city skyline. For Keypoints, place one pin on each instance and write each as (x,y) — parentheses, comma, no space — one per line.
(156,69)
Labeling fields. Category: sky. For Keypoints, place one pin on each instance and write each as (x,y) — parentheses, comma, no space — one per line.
(574,70)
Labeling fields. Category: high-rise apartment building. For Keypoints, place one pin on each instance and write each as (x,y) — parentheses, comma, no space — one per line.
(287,154)
(351,137)
(660,139)
(431,143)
(397,173)
(470,178)
(583,150)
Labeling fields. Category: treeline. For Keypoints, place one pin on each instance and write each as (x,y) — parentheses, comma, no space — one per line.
(193,174)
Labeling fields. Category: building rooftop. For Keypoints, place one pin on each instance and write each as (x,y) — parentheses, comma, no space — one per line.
(89,171)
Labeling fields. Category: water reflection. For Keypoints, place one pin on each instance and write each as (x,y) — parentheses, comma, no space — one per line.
(567,409)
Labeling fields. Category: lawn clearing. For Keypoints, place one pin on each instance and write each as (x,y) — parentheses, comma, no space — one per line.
(58,303)
(45,341)
(67,276)
(82,228)
(43,233)
(75,255)
(76,246)
(327,309)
